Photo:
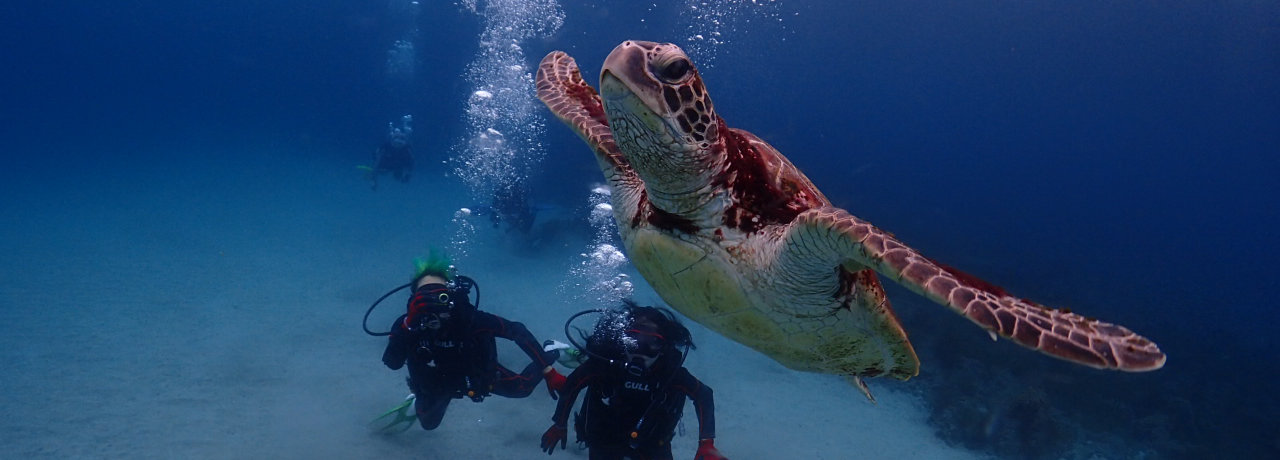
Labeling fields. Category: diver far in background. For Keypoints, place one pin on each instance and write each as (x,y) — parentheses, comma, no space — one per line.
(734,236)
(509,205)
(394,156)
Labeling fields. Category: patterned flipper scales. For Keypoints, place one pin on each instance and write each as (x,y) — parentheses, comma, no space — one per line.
(1055,332)
(570,98)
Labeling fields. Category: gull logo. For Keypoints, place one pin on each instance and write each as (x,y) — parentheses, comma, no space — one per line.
(605,400)
(636,386)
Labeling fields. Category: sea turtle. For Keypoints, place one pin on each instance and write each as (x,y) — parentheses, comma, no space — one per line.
(731,234)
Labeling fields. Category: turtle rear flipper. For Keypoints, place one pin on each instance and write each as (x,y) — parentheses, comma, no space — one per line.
(1055,332)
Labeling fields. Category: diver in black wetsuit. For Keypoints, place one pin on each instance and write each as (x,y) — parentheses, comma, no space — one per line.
(450,347)
(394,156)
(636,386)
(509,205)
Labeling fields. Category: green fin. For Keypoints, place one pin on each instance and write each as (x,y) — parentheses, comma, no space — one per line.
(398,416)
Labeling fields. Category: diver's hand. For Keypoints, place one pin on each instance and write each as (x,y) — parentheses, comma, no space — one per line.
(391,362)
(557,433)
(707,451)
(555,383)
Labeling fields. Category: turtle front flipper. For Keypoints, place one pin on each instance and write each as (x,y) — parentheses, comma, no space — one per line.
(1056,332)
(574,102)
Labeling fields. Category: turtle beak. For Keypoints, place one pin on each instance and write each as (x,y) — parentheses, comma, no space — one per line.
(612,88)
(620,98)
(628,67)
(607,80)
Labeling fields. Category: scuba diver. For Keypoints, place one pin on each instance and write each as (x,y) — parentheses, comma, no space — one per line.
(509,205)
(636,385)
(450,347)
(394,156)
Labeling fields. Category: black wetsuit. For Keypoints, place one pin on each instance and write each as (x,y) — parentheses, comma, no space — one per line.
(511,204)
(461,360)
(616,401)
(395,159)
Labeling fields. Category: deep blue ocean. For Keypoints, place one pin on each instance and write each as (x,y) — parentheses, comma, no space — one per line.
(1117,158)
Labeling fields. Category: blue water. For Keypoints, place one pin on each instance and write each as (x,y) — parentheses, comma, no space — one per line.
(1117,159)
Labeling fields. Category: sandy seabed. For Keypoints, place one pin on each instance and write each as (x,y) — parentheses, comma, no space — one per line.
(201,309)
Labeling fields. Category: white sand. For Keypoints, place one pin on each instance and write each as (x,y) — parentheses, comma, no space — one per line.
(211,310)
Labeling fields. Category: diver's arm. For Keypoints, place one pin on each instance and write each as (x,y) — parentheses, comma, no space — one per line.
(574,383)
(516,332)
(398,342)
(703,402)
(558,433)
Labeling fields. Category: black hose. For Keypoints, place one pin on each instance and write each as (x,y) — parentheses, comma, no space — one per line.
(470,283)
(569,336)
(365,323)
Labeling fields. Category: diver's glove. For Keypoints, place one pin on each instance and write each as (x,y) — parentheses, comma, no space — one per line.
(555,383)
(557,433)
(706,451)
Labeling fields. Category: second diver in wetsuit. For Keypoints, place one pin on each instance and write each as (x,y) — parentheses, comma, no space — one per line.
(636,387)
(394,156)
(450,348)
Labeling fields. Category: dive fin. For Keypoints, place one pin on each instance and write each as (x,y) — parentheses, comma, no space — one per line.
(398,415)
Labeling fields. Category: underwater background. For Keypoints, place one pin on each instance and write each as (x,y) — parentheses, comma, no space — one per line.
(189,247)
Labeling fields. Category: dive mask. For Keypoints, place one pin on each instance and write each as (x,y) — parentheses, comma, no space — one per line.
(642,350)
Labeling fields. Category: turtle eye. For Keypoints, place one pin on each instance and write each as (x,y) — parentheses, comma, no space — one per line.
(675,71)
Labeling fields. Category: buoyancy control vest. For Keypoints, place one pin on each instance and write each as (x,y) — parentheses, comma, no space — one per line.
(626,410)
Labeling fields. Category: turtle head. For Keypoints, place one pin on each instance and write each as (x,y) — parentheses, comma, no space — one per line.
(659,109)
